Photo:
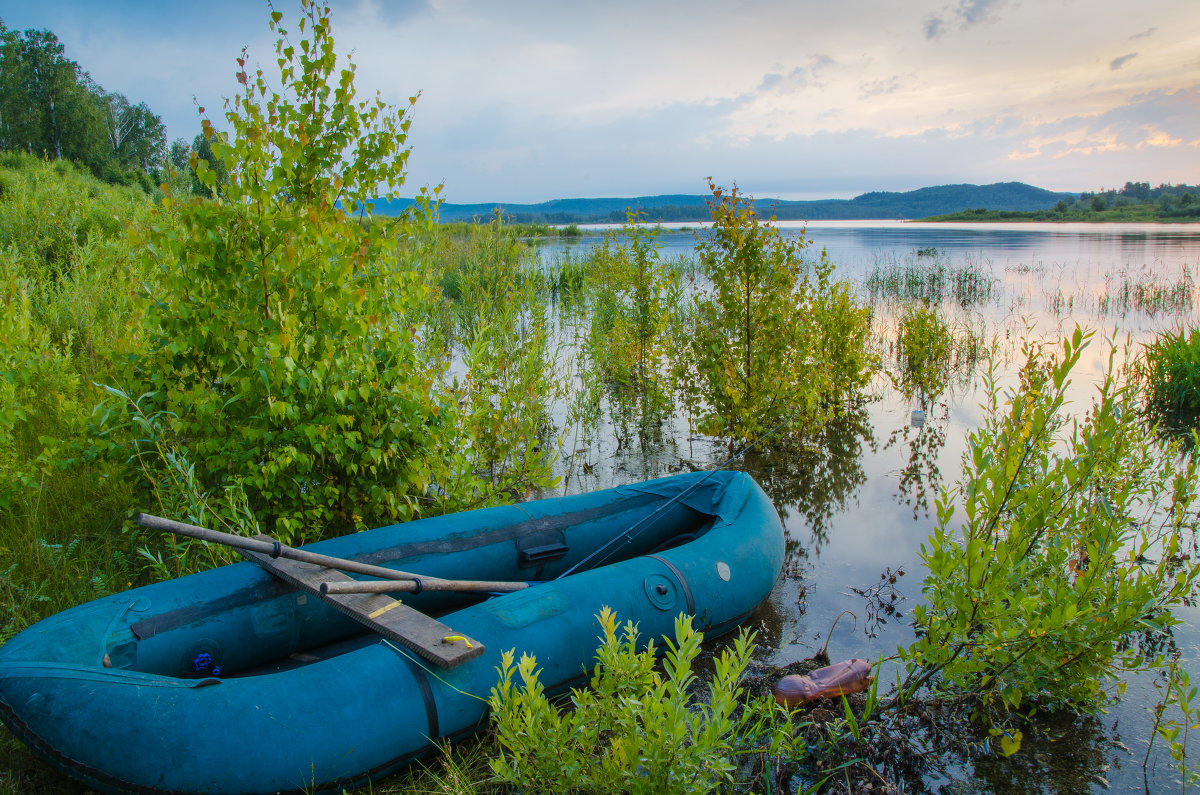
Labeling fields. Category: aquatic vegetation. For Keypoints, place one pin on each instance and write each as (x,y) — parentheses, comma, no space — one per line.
(929,276)
(1169,372)
(1062,540)
(477,268)
(633,309)
(1150,294)
(772,342)
(567,279)
(930,353)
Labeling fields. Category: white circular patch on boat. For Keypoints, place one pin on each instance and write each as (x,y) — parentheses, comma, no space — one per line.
(723,570)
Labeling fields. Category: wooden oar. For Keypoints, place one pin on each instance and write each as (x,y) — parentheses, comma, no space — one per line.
(401,580)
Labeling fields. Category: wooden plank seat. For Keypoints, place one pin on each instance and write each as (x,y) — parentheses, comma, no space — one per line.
(431,639)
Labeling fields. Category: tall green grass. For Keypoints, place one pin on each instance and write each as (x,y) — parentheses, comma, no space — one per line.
(1149,293)
(931,277)
(1170,375)
(66,314)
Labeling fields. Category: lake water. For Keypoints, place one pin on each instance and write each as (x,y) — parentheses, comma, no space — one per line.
(858,506)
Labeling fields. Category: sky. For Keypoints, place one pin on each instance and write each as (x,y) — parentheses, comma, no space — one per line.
(794,99)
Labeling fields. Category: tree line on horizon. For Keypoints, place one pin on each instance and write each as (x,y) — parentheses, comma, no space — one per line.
(1135,202)
(1183,198)
(52,108)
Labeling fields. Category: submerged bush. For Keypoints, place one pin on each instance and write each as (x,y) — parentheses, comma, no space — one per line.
(924,348)
(1057,560)
(930,352)
(487,320)
(772,342)
(1170,375)
(633,309)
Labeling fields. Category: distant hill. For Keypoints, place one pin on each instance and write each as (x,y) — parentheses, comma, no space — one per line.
(939,200)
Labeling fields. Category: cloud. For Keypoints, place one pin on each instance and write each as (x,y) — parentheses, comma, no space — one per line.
(819,62)
(520,104)
(966,12)
(972,12)
(1155,120)
(389,12)
(769,81)
(1117,63)
(1158,138)
(799,78)
(875,88)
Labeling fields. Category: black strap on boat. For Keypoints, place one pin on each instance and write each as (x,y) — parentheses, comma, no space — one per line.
(646,521)
(422,679)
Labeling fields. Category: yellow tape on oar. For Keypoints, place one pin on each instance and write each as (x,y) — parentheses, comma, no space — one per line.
(383,609)
(452,638)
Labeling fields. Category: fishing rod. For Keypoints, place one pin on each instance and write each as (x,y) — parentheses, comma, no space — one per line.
(646,521)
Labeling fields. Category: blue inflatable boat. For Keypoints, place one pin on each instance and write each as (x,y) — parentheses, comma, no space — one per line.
(232,681)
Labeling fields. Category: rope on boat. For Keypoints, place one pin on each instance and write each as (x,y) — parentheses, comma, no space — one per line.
(403,652)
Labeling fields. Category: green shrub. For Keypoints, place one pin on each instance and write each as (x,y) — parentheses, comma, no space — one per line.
(49,211)
(632,730)
(633,311)
(771,341)
(1061,546)
(924,348)
(1170,375)
(39,393)
(284,333)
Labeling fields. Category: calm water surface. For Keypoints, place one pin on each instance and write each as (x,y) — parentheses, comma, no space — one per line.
(860,504)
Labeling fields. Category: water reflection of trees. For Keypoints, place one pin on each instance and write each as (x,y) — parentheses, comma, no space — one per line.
(921,476)
(818,480)
(939,747)
(1060,753)
(815,481)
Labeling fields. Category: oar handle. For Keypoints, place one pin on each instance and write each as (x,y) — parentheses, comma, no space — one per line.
(427,584)
(265,545)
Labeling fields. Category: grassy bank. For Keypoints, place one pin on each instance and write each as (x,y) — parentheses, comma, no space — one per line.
(1137,202)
